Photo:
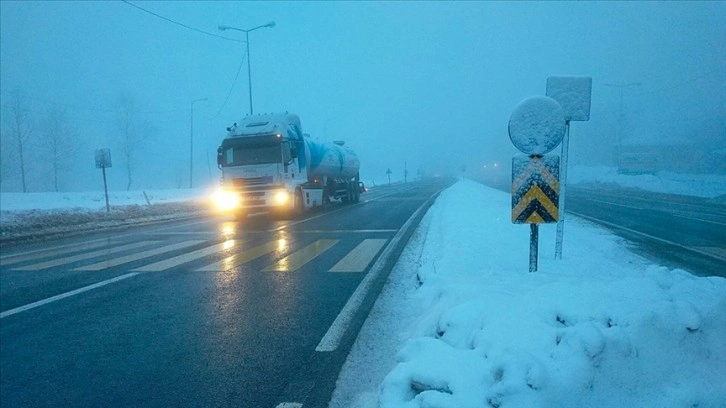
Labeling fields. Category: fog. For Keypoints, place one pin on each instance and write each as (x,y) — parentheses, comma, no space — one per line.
(425,85)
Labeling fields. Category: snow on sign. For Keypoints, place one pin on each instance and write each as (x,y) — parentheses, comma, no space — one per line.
(535,189)
(537,125)
(573,94)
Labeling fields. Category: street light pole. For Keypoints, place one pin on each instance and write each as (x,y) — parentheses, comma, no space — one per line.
(191,140)
(249,65)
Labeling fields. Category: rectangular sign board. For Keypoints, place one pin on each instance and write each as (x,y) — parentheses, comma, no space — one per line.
(103,158)
(535,189)
(573,94)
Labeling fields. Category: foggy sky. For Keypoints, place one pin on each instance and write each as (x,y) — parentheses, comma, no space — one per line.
(431,84)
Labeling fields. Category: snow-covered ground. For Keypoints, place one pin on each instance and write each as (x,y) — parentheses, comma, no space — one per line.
(698,185)
(28,215)
(462,323)
(95,200)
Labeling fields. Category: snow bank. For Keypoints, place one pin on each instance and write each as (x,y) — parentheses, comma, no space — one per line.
(699,185)
(95,200)
(601,328)
(32,215)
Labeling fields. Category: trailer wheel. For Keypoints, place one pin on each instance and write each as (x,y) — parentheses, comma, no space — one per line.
(345,198)
(356,193)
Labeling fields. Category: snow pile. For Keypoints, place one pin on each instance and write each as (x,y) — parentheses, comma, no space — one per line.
(95,200)
(700,185)
(34,215)
(601,328)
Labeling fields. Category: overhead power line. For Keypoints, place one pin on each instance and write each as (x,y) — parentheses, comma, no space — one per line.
(181,24)
(241,63)
(679,84)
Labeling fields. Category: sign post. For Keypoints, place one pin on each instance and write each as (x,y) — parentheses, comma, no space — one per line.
(574,95)
(536,127)
(103,160)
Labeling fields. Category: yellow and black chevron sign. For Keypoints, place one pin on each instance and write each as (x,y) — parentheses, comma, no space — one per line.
(535,189)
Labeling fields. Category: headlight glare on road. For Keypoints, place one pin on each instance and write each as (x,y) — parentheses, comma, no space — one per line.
(225,200)
(281,197)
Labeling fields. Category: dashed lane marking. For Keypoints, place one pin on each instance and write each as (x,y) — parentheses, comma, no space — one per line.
(298,259)
(81,257)
(188,257)
(236,260)
(46,252)
(110,263)
(358,259)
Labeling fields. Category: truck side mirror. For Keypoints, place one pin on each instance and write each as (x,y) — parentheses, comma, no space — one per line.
(220,157)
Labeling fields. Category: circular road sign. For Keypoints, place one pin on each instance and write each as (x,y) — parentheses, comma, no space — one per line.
(537,125)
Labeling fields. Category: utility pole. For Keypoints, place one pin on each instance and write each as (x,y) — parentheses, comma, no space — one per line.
(247,38)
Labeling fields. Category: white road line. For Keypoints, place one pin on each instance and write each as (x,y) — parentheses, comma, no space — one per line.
(338,209)
(642,234)
(370,231)
(616,204)
(56,250)
(110,263)
(335,333)
(188,257)
(82,257)
(240,258)
(673,214)
(301,257)
(358,259)
(289,405)
(64,295)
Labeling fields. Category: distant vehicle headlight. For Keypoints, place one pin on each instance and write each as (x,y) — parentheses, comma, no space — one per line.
(225,200)
(281,197)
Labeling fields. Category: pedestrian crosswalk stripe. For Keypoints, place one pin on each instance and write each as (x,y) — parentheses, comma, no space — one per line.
(82,257)
(358,259)
(188,257)
(44,253)
(301,257)
(110,263)
(236,260)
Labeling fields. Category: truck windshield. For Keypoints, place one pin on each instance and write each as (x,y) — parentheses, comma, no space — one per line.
(253,150)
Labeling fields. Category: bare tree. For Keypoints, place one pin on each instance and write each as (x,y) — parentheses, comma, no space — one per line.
(20,131)
(134,132)
(59,142)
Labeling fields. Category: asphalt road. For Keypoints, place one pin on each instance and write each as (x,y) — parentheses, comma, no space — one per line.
(205,312)
(682,232)
(679,231)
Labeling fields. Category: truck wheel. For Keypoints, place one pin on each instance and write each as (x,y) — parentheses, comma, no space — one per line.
(298,205)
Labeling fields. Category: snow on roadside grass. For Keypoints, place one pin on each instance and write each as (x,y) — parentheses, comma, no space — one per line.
(31,215)
(601,328)
(698,185)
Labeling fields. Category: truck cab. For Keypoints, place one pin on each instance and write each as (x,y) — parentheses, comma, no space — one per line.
(269,165)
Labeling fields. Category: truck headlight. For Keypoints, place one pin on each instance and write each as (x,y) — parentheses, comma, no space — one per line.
(225,200)
(281,197)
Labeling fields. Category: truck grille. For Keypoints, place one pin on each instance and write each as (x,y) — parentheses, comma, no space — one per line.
(251,181)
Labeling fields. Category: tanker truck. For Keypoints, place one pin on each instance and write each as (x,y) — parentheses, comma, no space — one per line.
(269,165)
